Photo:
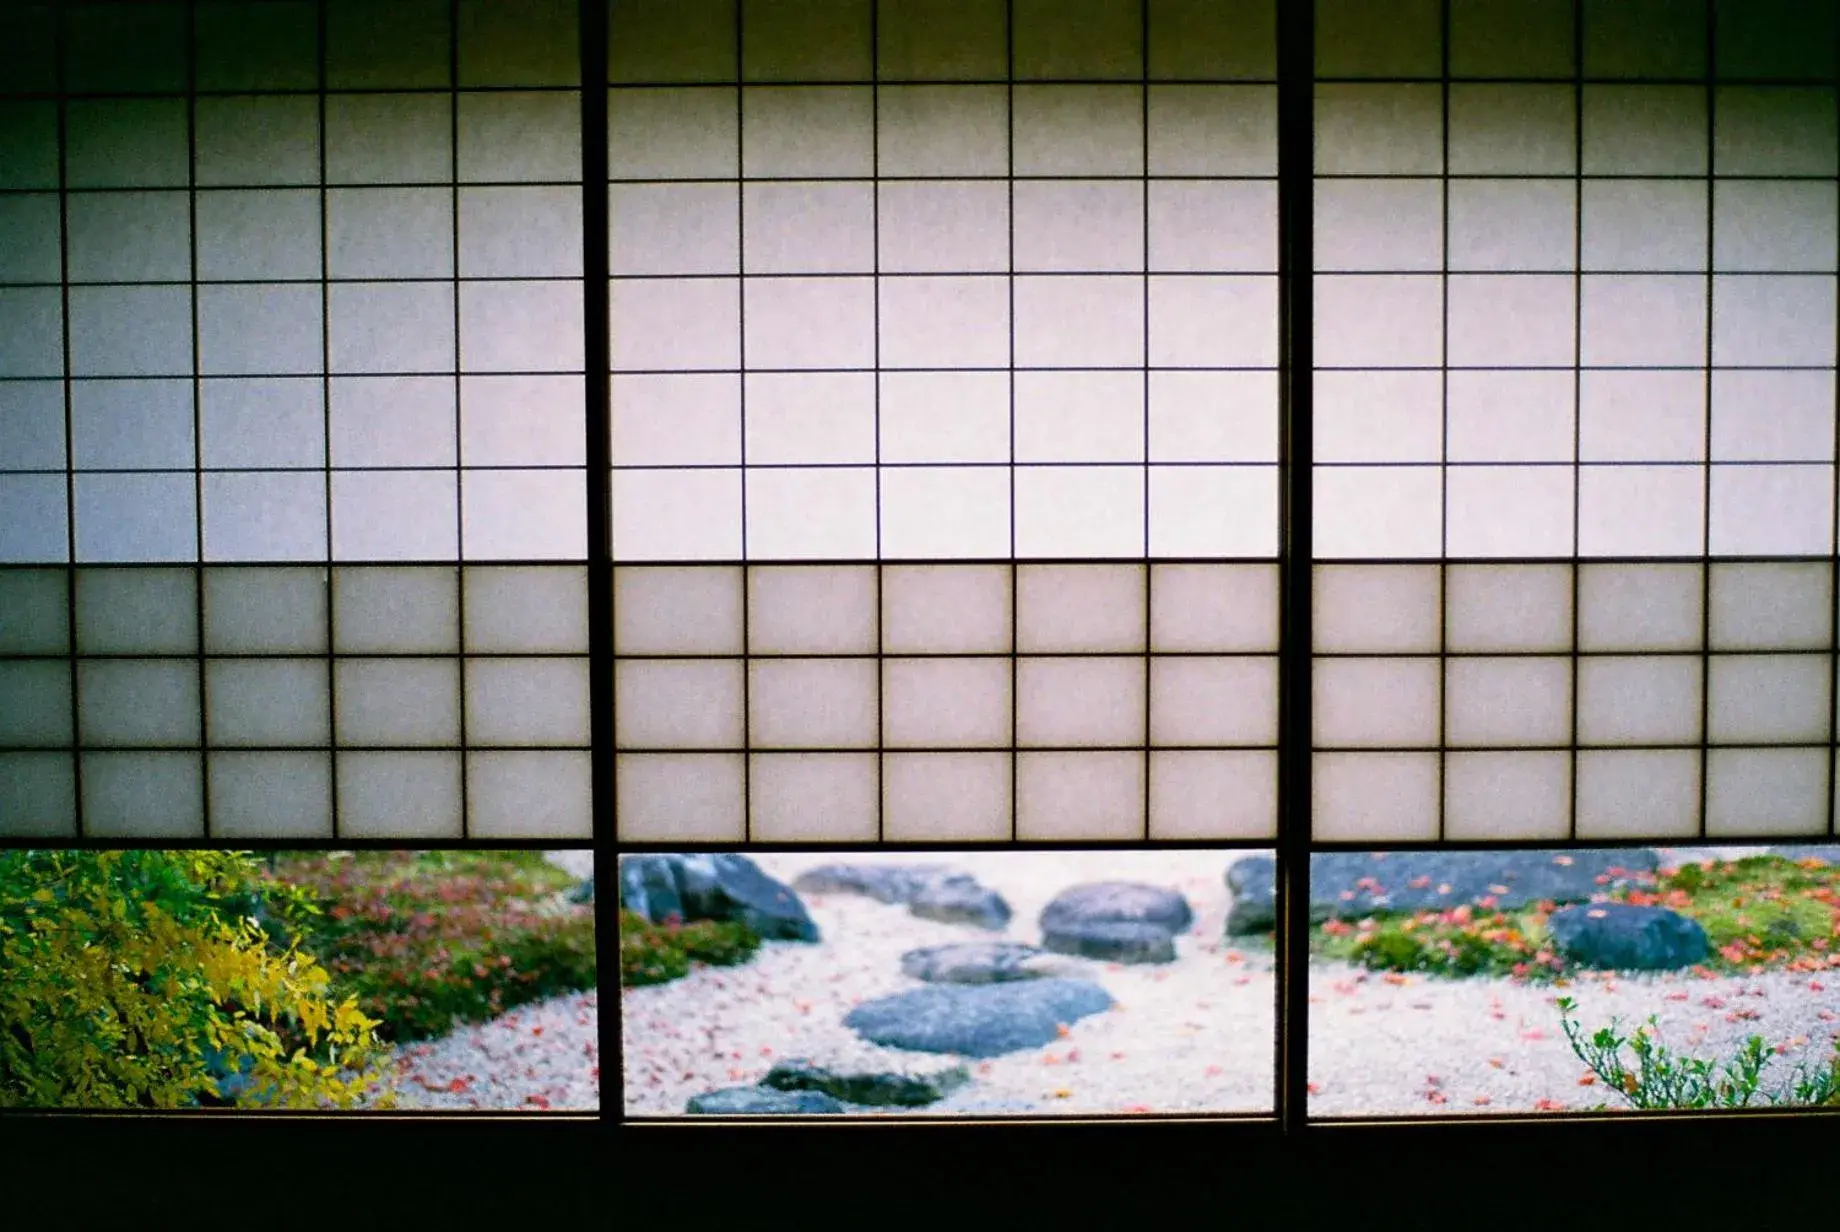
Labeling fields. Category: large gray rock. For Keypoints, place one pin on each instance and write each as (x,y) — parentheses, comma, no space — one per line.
(884,883)
(986,1020)
(720,886)
(1353,884)
(1118,921)
(875,1089)
(976,962)
(959,899)
(761,1101)
(1621,937)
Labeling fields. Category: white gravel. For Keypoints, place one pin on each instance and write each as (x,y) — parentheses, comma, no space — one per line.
(1193,1036)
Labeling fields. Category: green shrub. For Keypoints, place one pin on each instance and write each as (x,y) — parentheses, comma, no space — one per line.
(426,940)
(119,969)
(658,953)
(1663,1079)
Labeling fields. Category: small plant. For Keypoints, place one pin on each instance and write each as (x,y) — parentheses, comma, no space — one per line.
(1664,1079)
(658,953)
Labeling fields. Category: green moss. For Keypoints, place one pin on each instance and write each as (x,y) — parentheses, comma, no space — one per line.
(659,953)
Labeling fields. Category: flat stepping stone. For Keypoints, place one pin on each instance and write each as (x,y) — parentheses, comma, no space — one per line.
(1116,921)
(759,1101)
(1623,937)
(971,1020)
(883,883)
(976,962)
(959,899)
(1350,885)
(913,1089)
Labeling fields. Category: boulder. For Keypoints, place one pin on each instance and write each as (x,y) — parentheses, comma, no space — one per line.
(720,886)
(583,892)
(761,1101)
(959,899)
(883,883)
(875,1089)
(1353,884)
(1621,937)
(977,1020)
(975,962)
(1118,921)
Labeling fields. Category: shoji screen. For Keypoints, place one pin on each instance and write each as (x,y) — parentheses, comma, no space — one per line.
(291,433)
(1575,407)
(944,339)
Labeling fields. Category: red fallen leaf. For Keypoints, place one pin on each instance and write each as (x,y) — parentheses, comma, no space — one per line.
(1418,883)
(1314,1088)
(1242,980)
(457,1085)
(1533,1033)
(1060,1029)
(595,1072)
(1234,956)
(765,1051)
(1596,913)
(1073,1054)
(984,1067)
(1713,1003)
(1481,1101)
(1118,1056)
(1212,1071)
(1433,1080)
(536,1030)
(538,1100)
(1676,996)
(1589,1080)
(1436,1097)
(1137,1108)
(1549,1105)
(1050,1059)
(1816,986)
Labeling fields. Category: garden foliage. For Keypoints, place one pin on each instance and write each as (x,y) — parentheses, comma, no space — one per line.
(658,953)
(119,969)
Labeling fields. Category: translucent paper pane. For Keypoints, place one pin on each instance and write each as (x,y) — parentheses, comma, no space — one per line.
(1376,608)
(1507,795)
(678,704)
(397,702)
(527,701)
(38,711)
(1508,608)
(143,795)
(828,610)
(38,795)
(1213,794)
(680,798)
(948,797)
(396,611)
(946,703)
(1062,608)
(268,702)
(163,526)
(1770,699)
(270,795)
(1375,702)
(814,703)
(1771,606)
(1378,512)
(524,610)
(1079,796)
(34,521)
(137,702)
(1080,702)
(1517,701)
(677,611)
(34,612)
(1217,608)
(677,515)
(1374,797)
(814,797)
(528,795)
(1640,607)
(1766,792)
(946,609)
(1652,700)
(1197,701)
(399,795)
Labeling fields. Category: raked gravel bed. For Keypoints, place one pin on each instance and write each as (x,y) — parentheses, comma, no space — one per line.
(1192,1036)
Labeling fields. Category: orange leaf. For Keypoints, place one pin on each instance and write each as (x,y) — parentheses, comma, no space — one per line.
(1060,1029)
(1589,1080)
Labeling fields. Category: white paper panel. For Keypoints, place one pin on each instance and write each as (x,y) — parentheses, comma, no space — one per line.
(808,228)
(1080,702)
(1213,794)
(943,130)
(810,417)
(397,701)
(396,611)
(37,709)
(945,417)
(1079,417)
(1213,701)
(929,41)
(946,609)
(38,795)
(943,513)
(1076,129)
(1393,224)
(677,611)
(679,798)
(137,611)
(1642,416)
(1653,700)
(1381,416)
(1375,702)
(678,704)
(1657,226)
(1379,511)
(260,702)
(676,515)
(823,610)
(1079,796)
(1638,793)
(526,609)
(1348,116)
(1508,416)
(1507,795)
(946,703)
(1766,791)
(1517,701)
(265,611)
(812,703)
(1213,129)
(1517,224)
(809,514)
(1645,129)
(1508,511)
(1640,607)
(1079,511)
(1508,608)
(1376,608)
(34,611)
(1213,607)
(1074,608)
(1377,797)
(946,797)
(1770,699)
(529,795)
(527,701)
(814,797)
(1772,606)
(137,702)
(394,515)
(399,795)
(143,795)
(271,795)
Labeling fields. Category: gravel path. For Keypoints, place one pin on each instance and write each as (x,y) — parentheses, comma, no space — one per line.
(1190,1036)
